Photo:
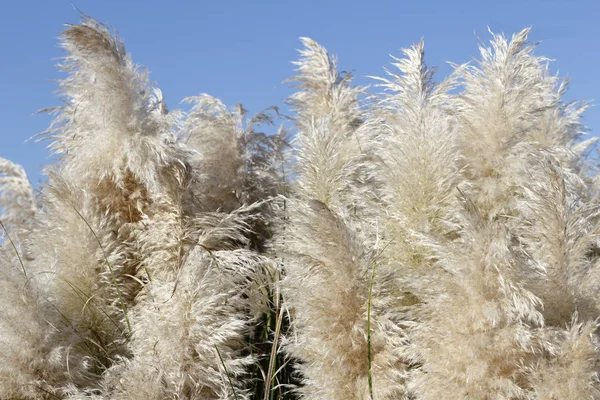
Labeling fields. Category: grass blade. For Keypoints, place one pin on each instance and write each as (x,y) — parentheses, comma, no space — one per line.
(15,248)
(226,372)
(369,355)
(112,275)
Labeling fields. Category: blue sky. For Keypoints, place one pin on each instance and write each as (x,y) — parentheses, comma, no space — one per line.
(240,51)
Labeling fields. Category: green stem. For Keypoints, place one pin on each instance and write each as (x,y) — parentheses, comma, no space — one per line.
(369,355)
(226,372)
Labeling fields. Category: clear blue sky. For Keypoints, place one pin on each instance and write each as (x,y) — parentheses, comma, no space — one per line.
(240,51)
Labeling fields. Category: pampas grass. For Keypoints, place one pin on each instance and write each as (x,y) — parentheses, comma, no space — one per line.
(422,239)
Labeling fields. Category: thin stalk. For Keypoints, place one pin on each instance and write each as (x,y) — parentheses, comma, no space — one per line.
(15,248)
(112,275)
(226,372)
(273,358)
(369,355)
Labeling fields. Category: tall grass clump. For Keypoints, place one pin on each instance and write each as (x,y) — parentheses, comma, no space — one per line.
(423,238)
